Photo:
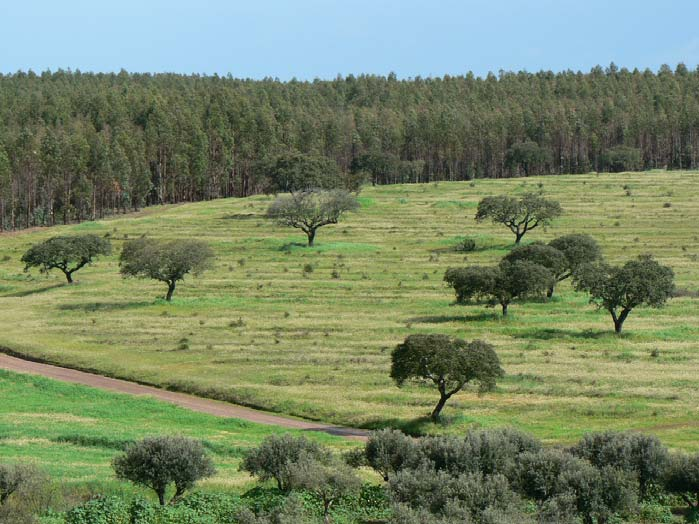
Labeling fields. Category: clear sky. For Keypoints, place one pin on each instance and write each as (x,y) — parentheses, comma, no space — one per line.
(310,39)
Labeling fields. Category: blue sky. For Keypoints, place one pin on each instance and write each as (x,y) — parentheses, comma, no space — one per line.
(310,39)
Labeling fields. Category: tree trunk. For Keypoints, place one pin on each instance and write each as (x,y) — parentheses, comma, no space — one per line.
(549,292)
(170,290)
(504,309)
(161,496)
(311,237)
(69,276)
(438,408)
(619,321)
(518,236)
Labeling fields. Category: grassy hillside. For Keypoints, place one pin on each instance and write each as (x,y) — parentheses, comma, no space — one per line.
(257,331)
(73,431)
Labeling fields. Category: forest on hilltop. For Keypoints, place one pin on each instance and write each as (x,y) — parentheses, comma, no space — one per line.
(74,146)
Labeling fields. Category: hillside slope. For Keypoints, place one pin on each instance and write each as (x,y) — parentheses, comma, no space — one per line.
(259,331)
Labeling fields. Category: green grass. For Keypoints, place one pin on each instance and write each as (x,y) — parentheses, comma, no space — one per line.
(73,431)
(319,347)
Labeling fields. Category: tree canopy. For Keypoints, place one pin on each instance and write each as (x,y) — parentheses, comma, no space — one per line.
(448,363)
(310,210)
(167,261)
(66,253)
(158,462)
(520,215)
(620,289)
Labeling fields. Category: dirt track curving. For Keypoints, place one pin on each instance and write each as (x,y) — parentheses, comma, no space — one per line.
(202,405)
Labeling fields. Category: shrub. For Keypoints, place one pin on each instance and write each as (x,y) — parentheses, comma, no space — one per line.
(682,478)
(466,245)
(636,453)
(104,510)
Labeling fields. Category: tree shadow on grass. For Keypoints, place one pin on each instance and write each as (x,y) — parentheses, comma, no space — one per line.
(242,216)
(104,306)
(415,427)
(34,291)
(555,333)
(292,245)
(443,319)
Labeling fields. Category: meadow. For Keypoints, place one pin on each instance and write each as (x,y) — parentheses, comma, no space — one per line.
(309,331)
(73,432)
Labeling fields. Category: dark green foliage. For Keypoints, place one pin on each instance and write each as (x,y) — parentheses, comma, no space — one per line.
(641,455)
(621,158)
(310,210)
(166,261)
(466,245)
(448,363)
(294,172)
(158,462)
(103,510)
(544,255)
(682,478)
(519,280)
(471,282)
(520,215)
(80,145)
(388,451)
(620,289)
(579,249)
(276,456)
(528,156)
(67,253)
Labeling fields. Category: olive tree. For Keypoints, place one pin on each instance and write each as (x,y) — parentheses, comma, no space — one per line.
(13,477)
(520,215)
(328,480)
(275,456)
(682,478)
(310,210)
(158,462)
(388,451)
(448,363)
(66,253)
(620,289)
(166,261)
(644,456)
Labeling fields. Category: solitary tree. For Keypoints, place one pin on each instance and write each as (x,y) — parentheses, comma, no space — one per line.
(67,253)
(519,215)
(167,261)
(328,480)
(309,210)
(620,289)
(544,255)
(274,458)
(448,363)
(158,462)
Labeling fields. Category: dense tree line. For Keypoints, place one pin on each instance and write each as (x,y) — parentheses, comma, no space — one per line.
(74,146)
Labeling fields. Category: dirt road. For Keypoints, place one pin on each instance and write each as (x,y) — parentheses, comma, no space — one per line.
(202,405)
